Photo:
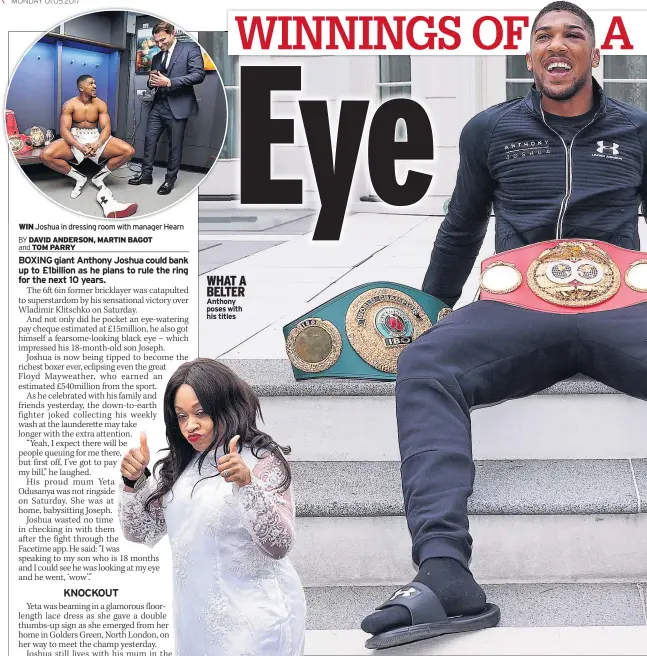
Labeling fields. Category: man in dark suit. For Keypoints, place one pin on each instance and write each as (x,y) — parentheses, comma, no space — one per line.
(174,70)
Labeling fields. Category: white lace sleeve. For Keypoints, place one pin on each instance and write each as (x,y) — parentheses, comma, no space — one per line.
(267,514)
(137,524)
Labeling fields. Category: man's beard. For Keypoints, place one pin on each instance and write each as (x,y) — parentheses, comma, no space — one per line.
(563,93)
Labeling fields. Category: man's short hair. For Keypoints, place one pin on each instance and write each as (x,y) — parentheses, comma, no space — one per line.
(82,78)
(571,8)
(164,26)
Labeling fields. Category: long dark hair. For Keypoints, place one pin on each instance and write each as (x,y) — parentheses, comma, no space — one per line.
(234,409)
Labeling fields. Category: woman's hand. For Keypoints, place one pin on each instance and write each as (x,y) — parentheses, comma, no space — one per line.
(136,460)
(232,467)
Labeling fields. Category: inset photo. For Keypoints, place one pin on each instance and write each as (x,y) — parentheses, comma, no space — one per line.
(117,114)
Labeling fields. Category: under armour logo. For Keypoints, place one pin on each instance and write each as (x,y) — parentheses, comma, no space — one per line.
(404,592)
(614,148)
(103,200)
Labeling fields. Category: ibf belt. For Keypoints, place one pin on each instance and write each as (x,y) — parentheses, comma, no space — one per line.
(566,277)
(360,333)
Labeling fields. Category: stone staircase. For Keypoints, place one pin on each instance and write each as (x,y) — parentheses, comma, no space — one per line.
(558,516)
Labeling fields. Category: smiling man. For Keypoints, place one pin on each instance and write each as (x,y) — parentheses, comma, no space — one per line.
(562,72)
(564,170)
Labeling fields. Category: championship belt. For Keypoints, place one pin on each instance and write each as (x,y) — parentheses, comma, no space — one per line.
(39,136)
(20,144)
(360,333)
(566,276)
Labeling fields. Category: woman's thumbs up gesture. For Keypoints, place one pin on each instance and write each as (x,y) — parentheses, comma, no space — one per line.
(233,467)
(136,460)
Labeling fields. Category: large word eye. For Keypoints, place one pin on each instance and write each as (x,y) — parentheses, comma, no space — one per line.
(588,272)
(560,272)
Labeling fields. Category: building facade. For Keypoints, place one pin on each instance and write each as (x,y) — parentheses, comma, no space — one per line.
(451,88)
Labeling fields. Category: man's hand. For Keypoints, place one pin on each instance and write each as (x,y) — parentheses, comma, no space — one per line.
(94,147)
(136,460)
(86,149)
(159,80)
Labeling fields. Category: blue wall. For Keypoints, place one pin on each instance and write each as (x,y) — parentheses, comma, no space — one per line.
(33,89)
(78,61)
(114,62)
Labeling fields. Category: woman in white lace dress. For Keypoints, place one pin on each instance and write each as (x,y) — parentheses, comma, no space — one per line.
(224,498)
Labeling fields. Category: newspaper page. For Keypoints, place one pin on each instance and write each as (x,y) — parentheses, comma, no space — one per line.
(219,232)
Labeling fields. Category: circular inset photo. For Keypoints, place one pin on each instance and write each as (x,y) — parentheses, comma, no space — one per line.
(117,114)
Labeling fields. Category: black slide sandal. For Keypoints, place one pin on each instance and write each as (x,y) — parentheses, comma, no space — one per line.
(429,619)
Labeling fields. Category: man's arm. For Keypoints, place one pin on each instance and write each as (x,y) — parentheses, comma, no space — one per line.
(461,233)
(104,124)
(66,124)
(196,72)
(642,135)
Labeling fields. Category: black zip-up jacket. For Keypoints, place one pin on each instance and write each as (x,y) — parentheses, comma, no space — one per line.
(540,187)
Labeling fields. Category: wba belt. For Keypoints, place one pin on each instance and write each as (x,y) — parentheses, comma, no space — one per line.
(360,333)
(566,277)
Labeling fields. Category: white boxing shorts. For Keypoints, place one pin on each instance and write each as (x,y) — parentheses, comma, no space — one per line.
(87,136)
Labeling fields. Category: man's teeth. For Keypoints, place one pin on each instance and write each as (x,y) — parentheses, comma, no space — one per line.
(554,65)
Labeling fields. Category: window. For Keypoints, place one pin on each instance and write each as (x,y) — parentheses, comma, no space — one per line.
(394,81)
(625,78)
(518,79)
(227,66)
(394,77)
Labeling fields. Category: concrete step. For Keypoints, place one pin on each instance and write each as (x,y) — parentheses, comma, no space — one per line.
(274,378)
(515,487)
(573,641)
(577,418)
(522,605)
(532,521)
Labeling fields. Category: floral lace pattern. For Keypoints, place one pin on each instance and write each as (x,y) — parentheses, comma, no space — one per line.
(267,514)
(137,524)
(224,626)
(216,617)
(234,591)
(181,560)
(251,564)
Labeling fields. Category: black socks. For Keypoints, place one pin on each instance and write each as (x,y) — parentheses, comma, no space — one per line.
(455,587)
(98,179)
